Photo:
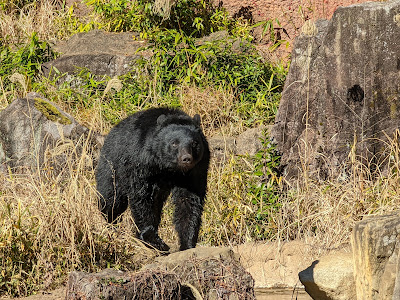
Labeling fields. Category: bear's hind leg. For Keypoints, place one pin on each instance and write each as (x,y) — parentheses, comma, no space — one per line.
(112,200)
(187,218)
(146,211)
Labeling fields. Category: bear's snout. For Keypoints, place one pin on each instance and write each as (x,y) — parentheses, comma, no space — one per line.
(186,161)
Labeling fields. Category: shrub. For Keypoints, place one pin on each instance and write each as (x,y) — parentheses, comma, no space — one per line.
(23,65)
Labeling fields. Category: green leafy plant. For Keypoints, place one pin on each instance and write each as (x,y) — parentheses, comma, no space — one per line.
(275,37)
(264,188)
(25,62)
(224,61)
(189,16)
(118,15)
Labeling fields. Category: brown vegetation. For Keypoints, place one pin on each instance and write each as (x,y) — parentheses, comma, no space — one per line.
(52,222)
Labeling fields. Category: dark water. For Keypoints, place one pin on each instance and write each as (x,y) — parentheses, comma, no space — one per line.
(281,294)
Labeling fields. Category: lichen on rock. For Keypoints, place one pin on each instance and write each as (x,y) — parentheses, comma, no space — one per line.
(51,112)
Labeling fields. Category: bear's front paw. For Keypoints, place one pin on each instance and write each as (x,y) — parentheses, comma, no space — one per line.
(152,240)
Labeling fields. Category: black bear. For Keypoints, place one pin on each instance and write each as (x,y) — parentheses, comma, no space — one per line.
(147,157)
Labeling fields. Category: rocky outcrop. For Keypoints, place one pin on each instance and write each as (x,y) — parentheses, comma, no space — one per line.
(200,273)
(246,143)
(396,289)
(275,265)
(376,243)
(291,15)
(341,96)
(249,142)
(31,126)
(111,54)
(102,53)
(371,272)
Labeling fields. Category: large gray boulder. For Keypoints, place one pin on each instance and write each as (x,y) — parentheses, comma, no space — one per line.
(341,97)
(247,143)
(102,53)
(396,288)
(30,127)
(112,54)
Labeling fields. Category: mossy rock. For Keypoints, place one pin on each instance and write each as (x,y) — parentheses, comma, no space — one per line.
(51,112)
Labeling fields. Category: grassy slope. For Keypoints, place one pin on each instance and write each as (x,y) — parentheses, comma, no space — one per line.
(50,224)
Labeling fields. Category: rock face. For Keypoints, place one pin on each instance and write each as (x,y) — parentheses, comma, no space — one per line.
(376,243)
(396,289)
(290,13)
(275,265)
(105,53)
(100,52)
(199,273)
(342,93)
(30,126)
(330,278)
(248,142)
(372,272)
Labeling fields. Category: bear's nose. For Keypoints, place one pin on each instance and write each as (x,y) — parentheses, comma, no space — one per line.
(186,159)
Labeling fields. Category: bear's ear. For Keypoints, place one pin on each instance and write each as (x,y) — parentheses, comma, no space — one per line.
(196,120)
(161,119)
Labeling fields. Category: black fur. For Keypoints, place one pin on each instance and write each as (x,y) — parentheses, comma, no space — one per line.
(146,157)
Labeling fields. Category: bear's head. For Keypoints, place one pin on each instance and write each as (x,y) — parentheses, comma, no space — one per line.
(181,142)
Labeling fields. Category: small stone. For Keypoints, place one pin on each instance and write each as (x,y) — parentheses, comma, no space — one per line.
(330,278)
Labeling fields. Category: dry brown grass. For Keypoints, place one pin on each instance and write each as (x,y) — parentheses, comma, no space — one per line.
(50,225)
(40,17)
(228,214)
(322,213)
(325,212)
(53,222)
(216,107)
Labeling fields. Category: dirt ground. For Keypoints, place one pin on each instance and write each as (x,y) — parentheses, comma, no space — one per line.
(58,294)
(262,294)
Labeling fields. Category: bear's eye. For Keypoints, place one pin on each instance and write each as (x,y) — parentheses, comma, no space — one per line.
(195,144)
(175,144)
